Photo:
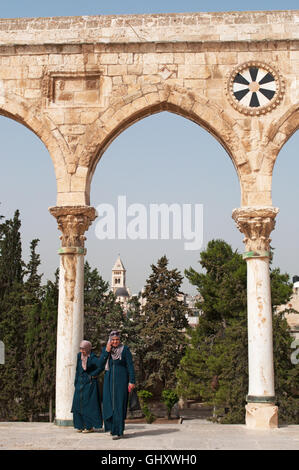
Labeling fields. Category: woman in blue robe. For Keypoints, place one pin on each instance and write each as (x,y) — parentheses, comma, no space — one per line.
(86,407)
(119,379)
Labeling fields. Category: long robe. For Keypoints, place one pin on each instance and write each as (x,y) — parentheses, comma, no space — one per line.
(86,407)
(115,391)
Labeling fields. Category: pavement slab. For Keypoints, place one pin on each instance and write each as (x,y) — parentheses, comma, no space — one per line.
(193,434)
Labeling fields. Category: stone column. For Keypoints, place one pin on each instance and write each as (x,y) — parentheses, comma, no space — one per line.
(73,221)
(257,223)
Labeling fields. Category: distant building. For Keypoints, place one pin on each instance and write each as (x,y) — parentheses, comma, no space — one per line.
(123,293)
(194,312)
(118,284)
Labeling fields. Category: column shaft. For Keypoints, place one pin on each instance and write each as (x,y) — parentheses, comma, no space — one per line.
(69,332)
(260,350)
(257,223)
(73,222)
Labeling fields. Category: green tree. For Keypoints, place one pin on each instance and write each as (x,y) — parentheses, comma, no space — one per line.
(12,333)
(12,328)
(215,366)
(144,397)
(11,264)
(40,317)
(28,314)
(133,336)
(32,285)
(164,317)
(222,286)
(48,335)
(32,391)
(169,398)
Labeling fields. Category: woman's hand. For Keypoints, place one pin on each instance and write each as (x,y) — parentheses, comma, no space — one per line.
(130,387)
(108,346)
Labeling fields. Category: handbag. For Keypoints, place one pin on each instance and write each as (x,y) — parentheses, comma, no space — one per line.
(134,404)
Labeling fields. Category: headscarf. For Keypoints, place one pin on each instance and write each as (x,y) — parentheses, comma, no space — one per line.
(86,345)
(115,352)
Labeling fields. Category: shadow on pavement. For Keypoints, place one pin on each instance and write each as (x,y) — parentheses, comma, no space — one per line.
(154,432)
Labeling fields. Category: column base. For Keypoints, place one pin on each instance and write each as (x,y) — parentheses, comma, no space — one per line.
(261,415)
(63,422)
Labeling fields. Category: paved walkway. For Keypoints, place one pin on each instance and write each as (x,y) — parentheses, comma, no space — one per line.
(195,434)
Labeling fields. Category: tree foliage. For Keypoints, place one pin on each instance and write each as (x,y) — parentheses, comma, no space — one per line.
(208,362)
(164,321)
(28,313)
(215,366)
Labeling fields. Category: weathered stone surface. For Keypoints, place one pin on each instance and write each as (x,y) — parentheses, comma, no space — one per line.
(257,224)
(73,221)
(228,26)
(78,82)
(261,416)
(196,434)
(91,76)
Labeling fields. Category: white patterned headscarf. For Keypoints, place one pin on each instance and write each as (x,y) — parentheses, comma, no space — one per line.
(115,352)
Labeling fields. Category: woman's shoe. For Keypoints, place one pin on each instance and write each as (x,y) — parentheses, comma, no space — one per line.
(88,430)
(115,438)
(79,430)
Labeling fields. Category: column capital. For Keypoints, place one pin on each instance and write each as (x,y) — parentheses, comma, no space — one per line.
(256,223)
(73,221)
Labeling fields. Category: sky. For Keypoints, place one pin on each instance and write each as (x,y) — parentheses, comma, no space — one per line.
(163,158)
(36,8)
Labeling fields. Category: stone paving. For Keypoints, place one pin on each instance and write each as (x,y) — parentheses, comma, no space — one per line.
(195,434)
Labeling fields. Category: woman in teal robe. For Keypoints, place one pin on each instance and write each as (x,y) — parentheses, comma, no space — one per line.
(119,378)
(86,407)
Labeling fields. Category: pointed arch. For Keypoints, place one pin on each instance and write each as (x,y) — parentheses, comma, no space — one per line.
(279,133)
(149,100)
(18,109)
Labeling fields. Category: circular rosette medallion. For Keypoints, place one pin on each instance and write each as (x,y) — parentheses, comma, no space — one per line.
(254,88)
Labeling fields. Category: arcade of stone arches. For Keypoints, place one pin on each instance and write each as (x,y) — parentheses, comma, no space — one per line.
(78,92)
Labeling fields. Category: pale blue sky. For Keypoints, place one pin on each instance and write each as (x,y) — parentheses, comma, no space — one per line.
(163,158)
(36,8)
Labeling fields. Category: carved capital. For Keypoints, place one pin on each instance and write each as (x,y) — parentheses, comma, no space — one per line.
(73,221)
(256,223)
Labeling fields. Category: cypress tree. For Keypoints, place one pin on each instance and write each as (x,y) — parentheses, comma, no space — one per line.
(164,319)
(11,264)
(27,327)
(32,285)
(48,336)
(33,326)
(12,327)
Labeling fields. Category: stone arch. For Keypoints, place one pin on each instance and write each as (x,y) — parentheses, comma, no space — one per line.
(151,99)
(17,109)
(279,133)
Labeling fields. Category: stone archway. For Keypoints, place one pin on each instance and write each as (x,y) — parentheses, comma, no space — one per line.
(17,109)
(279,133)
(142,103)
(78,82)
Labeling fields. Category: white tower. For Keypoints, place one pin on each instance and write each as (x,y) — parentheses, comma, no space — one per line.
(118,275)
